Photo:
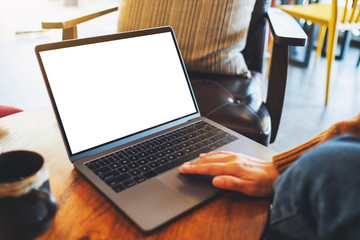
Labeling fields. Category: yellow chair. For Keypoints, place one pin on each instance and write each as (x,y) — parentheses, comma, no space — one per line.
(328,16)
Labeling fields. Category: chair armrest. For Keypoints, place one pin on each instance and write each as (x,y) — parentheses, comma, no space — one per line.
(70,26)
(284,28)
(286,32)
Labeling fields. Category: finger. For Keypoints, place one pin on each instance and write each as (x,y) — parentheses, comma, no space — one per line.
(212,169)
(204,155)
(190,168)
(235,184)
(215,157)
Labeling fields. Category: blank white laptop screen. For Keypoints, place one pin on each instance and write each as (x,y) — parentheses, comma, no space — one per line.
(108,90)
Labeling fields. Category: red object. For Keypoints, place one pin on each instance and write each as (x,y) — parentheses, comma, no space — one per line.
(7,110)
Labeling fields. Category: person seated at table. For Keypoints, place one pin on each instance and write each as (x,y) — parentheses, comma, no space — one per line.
(315,186)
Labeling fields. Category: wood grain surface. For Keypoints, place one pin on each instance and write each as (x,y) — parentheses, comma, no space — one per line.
(83,213)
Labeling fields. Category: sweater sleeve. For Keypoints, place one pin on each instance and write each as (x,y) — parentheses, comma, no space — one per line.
(284,160)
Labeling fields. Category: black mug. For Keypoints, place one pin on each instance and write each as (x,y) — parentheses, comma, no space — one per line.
(27,207)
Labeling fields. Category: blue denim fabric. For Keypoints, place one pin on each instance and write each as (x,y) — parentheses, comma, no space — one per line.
(319,196)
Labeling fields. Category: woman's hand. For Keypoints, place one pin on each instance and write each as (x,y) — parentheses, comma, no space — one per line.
(235,171)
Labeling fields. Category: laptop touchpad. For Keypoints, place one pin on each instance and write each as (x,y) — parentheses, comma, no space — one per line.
(194,188)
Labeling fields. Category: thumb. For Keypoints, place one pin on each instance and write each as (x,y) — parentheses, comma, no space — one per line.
(230,183)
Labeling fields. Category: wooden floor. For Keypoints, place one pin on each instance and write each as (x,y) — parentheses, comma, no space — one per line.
(304,113)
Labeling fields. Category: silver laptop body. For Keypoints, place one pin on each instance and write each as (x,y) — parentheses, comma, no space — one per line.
(112,95)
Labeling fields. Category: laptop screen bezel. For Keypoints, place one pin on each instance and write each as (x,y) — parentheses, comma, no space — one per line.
(127,139)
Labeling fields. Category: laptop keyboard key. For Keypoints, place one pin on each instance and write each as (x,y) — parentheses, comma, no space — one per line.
(162,161)
(109,175)
(122,155)
(180,160)
(160,154)
(118,188)
(144,168)
(151,151)
(134,172)
(150,174)
(134,158)
(139,179)
(151,158)
(129,183)
(124,161)
(168,151)
(92,166)
(153,164)
(114,165)
(102,170)
(179,154)
(142,162)
(118,179)
(131,151)
(140,148)
(143,154)
(103,163)
(135,164)
(123,169)
(170,158)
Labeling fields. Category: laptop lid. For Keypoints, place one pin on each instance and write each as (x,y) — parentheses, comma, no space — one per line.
(110,90)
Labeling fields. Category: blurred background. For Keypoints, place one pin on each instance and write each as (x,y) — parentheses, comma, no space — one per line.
(304,114)
(21,83)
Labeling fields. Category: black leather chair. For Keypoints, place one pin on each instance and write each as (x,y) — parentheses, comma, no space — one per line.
(234,101)
(237,102)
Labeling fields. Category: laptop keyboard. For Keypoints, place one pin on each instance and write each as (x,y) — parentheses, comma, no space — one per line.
(133,165)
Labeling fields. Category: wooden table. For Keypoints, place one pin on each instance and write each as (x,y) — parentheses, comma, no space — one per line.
(83,213)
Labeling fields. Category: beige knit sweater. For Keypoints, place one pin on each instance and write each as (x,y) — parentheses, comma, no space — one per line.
(284,160)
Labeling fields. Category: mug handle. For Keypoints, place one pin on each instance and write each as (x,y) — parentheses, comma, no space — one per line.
(50,203)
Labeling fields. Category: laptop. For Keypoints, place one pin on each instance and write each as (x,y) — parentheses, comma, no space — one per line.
(128,118)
